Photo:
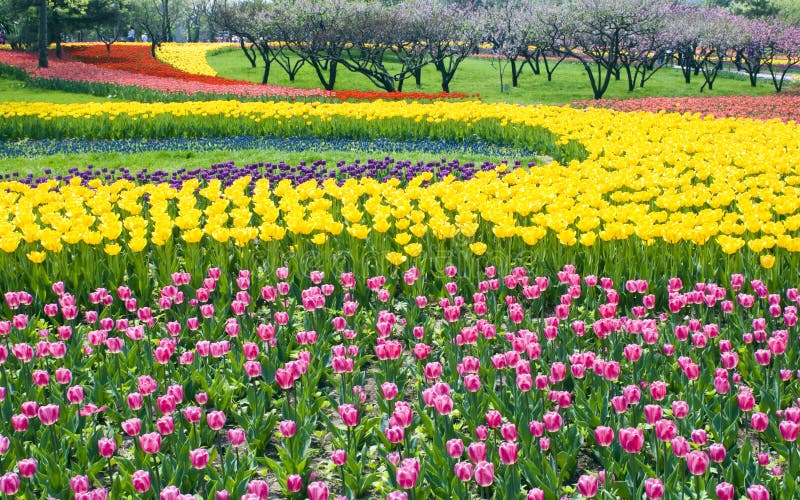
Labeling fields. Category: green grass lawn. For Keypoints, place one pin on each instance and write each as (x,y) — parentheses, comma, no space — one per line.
(16,91)
(481,76)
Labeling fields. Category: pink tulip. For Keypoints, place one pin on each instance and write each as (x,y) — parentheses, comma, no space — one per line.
(697,462)
(509,431)
(9,483)
(535,494)
(106,447)
(603,435)
(294,483)
(48,414)
(588,485)
(79,484)
(680,409)
(725,491)
(631,439)
(493,418)
(406,475)
(477,451)
(455,448)
(141,481)
(215,420)
(757,492)
(717,452)
(287,428)
(552,421)
(27,467)
(30,408)
(680,446)
(259,488)
(150,443)
(508,451)
(199,458)
(165,425)
(75,395)
(789,430)
(348,414)
(652,413)
(236,436)
(317,490)
(484,473)
(653,488)
(463,471)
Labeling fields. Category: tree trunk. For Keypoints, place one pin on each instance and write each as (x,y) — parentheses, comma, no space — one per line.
(514,74)
(42,36)
(267,65)
(332,75)
(250,57)
(418,77)
(445,77)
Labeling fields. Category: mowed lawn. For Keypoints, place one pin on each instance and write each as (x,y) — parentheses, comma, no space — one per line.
(480,75)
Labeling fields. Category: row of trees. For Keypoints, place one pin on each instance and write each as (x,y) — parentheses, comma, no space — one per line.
(389,44)
(34,24)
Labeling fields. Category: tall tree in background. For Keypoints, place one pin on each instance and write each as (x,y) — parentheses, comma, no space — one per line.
(748,8)
(42,41)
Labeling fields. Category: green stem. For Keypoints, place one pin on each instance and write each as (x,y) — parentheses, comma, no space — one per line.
(157,482)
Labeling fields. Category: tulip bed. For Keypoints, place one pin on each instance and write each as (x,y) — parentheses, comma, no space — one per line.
(616,321)
(782,106)
(129,67)
(451,383)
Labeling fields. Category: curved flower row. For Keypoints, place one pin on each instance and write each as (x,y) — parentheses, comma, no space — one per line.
(784,106)
(136,58)
(189,57)
(81,72)
(679,179)
(380,169)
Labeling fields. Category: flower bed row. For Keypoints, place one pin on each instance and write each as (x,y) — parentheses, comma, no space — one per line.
(165,82)
(132,66)
(501,383)
(319,171)
(634,193)
(33,148)
(190,57)
(784,107)
(136,58)
(462,122)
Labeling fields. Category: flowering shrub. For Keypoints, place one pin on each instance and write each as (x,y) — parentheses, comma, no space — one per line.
(446,384)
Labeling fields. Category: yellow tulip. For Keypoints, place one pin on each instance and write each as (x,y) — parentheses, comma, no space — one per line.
(395,258)
(36,257)
(478,248)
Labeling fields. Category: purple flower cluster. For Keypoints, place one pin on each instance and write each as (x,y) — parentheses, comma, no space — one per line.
(381,169)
